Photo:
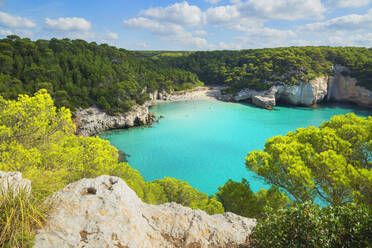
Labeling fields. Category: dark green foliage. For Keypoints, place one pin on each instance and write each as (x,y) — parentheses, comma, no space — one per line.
(309,226)
(239,198)
(80,74)
(181,192)
(260,68)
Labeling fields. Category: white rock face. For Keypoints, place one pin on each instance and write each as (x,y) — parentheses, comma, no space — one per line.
(105,212)
(306,93)
(267,102)
(92,120)
(14,182)
(263,99)
(343,88)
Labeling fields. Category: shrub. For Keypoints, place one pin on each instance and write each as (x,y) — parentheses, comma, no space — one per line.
(308,225)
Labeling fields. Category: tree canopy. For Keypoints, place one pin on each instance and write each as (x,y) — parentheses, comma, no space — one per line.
(38,139)
(331,163)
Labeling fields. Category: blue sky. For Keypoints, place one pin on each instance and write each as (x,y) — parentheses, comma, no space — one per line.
(192,25)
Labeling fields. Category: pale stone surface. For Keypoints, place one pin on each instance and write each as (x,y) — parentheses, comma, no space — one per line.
(345,88)
(306,93)
(92,120)
(14,182)
(105,212)
(267,102)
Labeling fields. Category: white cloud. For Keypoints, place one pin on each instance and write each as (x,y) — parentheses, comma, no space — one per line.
(222,15)
(10,21)
(261,36)
(348,3)
(228,46)
(264,10)
(5,32)
(68,24)
(112,36)
(212,1)
(200,32)
(168,31)
(178,13)
(20,32)
(282,9)
(344,23)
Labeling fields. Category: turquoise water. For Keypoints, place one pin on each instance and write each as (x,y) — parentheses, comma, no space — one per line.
(204,142)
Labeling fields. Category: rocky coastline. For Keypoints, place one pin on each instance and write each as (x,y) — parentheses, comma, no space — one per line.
(92,121)
(337,87)
(105,212)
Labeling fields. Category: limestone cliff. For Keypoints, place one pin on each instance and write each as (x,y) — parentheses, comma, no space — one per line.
(305,93)
(105,212)
(328,88)
(92,120)
(345,88)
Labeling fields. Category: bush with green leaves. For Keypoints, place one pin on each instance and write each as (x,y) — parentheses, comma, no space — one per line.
(331,163)
(237,197)
(310,226)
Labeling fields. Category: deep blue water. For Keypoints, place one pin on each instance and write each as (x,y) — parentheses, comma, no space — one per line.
(205,142)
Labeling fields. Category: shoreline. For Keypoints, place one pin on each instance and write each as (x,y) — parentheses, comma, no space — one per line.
(198,93)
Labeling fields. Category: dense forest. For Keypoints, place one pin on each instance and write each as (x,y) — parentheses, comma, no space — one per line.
(80,74)
(261,68)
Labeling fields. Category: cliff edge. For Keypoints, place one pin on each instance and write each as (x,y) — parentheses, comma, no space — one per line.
(105,212)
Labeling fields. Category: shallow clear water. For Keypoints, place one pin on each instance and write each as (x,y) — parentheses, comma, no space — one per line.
(204,142)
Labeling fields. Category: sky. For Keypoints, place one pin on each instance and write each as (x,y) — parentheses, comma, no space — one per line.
(191,24)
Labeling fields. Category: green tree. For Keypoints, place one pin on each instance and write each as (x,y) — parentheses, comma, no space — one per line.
(311,226)
(238,198)
(332,162)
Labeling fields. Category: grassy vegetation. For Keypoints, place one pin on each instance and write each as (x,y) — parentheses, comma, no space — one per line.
(21,214)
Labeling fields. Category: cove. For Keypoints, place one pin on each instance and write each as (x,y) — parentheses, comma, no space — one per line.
(204,142)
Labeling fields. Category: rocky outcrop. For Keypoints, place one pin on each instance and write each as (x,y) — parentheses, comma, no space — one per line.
(332,88)
(263,99)
(13,182)
(92,120)
(306,93)
(105,212)
(267,102)
(345,88)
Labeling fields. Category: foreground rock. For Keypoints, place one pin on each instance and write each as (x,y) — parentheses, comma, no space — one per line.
(92,120)
(13,182)
(105,212)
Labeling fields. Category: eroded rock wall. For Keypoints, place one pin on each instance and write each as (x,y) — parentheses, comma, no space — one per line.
(92,120)
(345,88)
